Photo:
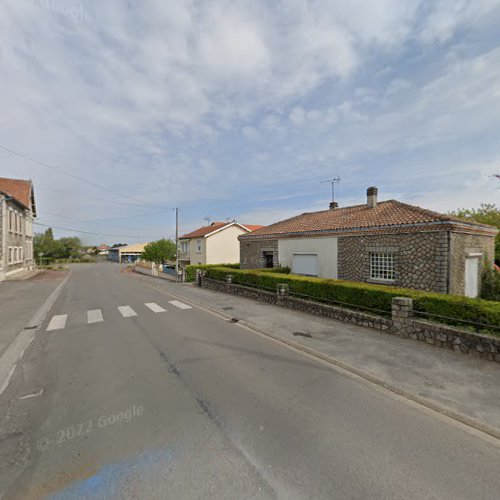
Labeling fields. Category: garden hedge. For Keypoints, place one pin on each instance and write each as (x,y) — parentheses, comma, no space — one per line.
(366,295)
(190,271)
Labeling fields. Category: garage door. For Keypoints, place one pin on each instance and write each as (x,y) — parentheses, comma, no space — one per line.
(306,264)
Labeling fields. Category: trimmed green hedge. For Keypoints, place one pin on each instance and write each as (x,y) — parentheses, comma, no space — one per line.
(366,295)
(191,269)
(275,270)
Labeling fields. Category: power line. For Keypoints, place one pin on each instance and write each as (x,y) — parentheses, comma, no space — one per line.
(100,224)
(89,232)
(98,199)
(64,172)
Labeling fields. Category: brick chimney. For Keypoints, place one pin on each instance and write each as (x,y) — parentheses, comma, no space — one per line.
(333,205)
(371,197)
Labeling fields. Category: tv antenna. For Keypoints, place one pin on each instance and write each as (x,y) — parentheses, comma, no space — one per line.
(207,219)
(332,181)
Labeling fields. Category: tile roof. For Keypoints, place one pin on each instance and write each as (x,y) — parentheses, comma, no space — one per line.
(19,189)
(252,227)
(385,213)
(203,231)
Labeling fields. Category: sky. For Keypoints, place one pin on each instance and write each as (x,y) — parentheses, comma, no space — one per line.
(121,110)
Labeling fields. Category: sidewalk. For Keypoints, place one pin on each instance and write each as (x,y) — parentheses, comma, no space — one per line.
(465,387)
(19,299)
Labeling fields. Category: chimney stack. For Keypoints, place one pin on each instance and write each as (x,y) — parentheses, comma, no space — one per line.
(333,205)
(371,197)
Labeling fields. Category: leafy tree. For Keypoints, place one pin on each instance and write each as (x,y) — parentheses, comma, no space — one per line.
(159,252)
(63,248)
(487,213)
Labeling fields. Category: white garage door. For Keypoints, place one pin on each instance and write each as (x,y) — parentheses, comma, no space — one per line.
(306,264)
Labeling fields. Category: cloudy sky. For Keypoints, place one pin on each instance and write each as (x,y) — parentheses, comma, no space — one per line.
(239,109)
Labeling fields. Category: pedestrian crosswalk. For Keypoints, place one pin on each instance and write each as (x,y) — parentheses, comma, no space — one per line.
(58,322)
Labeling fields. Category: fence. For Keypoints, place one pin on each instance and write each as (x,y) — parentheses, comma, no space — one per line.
(402,320)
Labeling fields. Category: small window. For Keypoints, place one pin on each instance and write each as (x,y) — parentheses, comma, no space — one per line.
(20,254)
(198,246)
(11,220)
(10,255)
(382,266)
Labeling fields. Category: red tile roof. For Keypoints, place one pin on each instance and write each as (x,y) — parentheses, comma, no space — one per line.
(358,217)
(21,190)
(252,227)
(203,231)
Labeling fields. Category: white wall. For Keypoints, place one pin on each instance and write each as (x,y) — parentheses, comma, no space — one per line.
(223,247)
(325,248)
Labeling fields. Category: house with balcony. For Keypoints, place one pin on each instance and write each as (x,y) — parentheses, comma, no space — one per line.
(17,211)
(216,243)
(384,242)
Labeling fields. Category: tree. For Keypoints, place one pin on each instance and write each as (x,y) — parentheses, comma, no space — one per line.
(487,213)
(63,248)
(159,252)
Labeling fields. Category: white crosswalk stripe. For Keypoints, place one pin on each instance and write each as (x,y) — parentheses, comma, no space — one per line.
(154,307)
(94,316)
(57,322)
(179,304)
(126,311)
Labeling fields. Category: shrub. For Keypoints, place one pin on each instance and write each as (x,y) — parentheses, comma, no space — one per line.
(276,270)
(490,284)
(190,271)
(367,296)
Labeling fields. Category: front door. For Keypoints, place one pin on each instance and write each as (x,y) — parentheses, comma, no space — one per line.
(471,277)
(268,259)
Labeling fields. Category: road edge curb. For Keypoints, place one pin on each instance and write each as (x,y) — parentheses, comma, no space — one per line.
(16,349)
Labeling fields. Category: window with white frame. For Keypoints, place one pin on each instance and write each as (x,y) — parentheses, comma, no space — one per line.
(382,266)
(184,246)
(11,220)
(11,255)
(21,256)
(198,246)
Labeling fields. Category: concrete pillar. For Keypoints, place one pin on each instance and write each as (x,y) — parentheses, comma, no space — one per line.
(229,279)
(282,290)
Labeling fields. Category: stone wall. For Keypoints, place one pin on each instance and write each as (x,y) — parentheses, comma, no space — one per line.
(461,245)
(421,258)
(400,323)
(252,253)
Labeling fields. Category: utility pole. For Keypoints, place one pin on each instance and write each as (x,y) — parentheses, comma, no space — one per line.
(177,243)
(332,181)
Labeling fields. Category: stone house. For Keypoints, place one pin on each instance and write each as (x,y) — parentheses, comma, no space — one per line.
(386,242)
(17,211)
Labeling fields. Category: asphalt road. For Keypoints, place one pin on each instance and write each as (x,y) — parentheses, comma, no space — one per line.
(184,404)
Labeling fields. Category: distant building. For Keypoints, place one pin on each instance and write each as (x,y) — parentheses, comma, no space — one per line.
(213,244)
(17,211)
(103,249)
(127,253)
(386,242)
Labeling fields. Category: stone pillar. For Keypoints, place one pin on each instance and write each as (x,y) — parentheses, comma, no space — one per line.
(402,308)
(282,290)
(229,279)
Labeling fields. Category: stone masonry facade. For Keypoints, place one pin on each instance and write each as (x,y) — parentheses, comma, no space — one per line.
(252,253)
(420,258)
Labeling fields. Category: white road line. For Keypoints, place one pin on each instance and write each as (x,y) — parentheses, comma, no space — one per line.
(94,316)
(154,307)
(126,311)
(57,322)
(179,304)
